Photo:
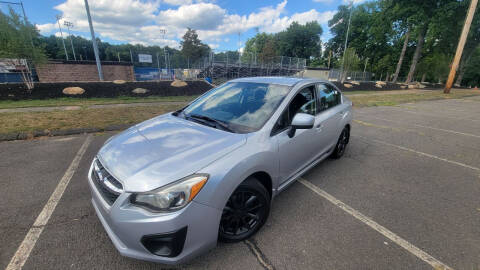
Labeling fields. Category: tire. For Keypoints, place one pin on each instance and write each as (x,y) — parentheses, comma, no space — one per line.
(245,212)
(342,143)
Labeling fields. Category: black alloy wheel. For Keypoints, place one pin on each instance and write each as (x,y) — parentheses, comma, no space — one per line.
(246,211)
(341,143)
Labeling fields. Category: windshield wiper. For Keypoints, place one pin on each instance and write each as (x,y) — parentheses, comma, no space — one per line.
(217,123)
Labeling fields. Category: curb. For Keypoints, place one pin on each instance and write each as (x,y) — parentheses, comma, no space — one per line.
(63,132)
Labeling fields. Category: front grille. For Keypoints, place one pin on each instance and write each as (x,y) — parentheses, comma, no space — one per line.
(106,184)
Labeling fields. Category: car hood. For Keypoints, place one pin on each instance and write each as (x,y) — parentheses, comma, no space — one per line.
(164,149)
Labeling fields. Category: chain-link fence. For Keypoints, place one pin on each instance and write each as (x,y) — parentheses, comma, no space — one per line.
(222,67)
(216,67)
(336,74)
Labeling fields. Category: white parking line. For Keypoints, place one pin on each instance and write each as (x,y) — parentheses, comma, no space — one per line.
(419,153)
(422,126)
(23,251)
(436,264)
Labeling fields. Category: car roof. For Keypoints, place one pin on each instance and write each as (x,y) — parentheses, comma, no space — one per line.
(289,81)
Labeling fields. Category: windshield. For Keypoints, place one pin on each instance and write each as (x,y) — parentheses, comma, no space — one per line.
(243,106)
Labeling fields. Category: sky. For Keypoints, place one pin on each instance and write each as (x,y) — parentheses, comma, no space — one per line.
(222,24)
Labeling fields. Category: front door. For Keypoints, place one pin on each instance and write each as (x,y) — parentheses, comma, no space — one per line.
(297,152)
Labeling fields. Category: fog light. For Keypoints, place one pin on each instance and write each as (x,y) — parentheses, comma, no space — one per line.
(166,245)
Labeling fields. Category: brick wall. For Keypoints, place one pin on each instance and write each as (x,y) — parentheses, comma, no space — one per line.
(83,72)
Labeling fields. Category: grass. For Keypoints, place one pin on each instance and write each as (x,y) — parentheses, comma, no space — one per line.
(69,101)
(362,92)
(103,117)
(377,99)
(83,118)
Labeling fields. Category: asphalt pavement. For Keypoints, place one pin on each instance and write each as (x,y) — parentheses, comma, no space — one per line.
(408,186)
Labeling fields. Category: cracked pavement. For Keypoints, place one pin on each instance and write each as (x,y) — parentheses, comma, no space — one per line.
(428,200)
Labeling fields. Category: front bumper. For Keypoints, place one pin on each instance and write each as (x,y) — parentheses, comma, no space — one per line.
(127,224)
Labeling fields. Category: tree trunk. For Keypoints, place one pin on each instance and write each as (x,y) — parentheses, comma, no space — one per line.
(423,77)
(461,68)
(417,54)
(402,55)
(461,72)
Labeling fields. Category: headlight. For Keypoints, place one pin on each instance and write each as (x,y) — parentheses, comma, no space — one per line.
(171,197)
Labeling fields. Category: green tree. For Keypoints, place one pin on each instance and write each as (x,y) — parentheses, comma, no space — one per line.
(472,70)
(268,51)
(371,33)
(192,47)
(351,62)
(262,46)
(298,40)
(19,42)
(434,67)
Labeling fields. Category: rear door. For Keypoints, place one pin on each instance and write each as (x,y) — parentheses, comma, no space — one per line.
(329,114)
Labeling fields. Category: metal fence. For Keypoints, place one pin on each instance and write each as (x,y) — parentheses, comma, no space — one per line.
(220,68)
(336,74)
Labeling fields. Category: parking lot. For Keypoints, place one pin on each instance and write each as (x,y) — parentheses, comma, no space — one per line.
(406,195)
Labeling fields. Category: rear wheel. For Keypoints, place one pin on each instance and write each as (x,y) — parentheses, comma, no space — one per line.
(246,211)
(341,143)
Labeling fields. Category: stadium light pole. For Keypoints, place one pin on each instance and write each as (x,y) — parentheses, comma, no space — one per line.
(163,32)
(346,39)
(70,25)
(94,42)
(461,45)
(59,17)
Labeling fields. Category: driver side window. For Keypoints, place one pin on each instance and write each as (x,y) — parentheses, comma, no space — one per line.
(303,102)
(327,96)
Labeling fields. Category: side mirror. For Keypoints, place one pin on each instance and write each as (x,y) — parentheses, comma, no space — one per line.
(301,121)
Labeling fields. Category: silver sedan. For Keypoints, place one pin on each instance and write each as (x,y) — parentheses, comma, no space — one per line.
(168,188)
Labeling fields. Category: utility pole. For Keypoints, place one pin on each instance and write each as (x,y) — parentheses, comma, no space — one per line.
(70,25)
(165,54)
(329,58)
(158,66)
(346,39)
(59,17)
(163,32)
(365,69)
(94,42)
(131,56)
(461,45)
(25,20)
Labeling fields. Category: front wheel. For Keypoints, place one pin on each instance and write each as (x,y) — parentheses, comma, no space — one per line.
(341,143)
(245,213)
